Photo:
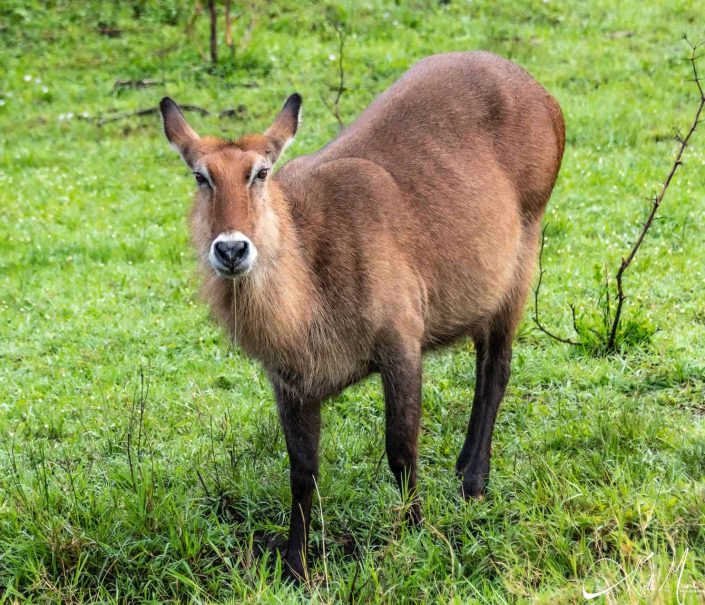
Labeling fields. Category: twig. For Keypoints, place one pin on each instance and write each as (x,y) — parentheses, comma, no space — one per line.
(136,84)
(575,323)
(129,114)
(129,443)
(188,31)
(225,113)
(229,28)
(214,31)
(658,198)
(353,593)
(247,36)
(613,321)
(228,39)
(536,319)
(144,394)
(197,10)
(335,109)
(203,484)
(109,31)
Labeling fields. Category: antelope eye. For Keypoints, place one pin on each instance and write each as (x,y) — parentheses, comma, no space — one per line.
(200,179)
(262,174)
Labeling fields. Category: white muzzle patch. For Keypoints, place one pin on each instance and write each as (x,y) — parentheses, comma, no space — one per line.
(232,254)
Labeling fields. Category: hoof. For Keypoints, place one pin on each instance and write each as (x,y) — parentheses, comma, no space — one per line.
(414,516)
(473,487)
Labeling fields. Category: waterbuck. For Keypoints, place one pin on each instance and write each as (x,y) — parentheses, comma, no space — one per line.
(415,227)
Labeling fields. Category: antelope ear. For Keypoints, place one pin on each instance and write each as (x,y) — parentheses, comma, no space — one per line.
(283,130)
(181,136)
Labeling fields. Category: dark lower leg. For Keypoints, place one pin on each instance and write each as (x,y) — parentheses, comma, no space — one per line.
(301,421)
(474,460)
(480,352)
(401,377)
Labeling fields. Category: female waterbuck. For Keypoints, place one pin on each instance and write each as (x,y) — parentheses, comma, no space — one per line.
(415,227)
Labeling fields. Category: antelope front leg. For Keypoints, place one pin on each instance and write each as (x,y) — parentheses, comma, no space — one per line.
(400,368)
(301,421)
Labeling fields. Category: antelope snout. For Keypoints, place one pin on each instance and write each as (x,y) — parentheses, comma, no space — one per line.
(232,254)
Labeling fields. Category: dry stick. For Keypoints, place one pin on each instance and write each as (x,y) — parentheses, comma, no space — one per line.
(129,443)
(135,84)
(247,36)
(197,10)
(214,31)
(229,28)
(203,484)
(656,202)
(153,110)
(144,395)
(188,31)
(128,114)
(538,323)
(335,110)
(353,592)
(626,262)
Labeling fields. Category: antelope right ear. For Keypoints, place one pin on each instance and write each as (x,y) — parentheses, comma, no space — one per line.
(181,136)
(283,130)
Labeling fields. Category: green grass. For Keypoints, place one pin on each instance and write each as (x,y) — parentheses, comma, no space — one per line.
(112,491)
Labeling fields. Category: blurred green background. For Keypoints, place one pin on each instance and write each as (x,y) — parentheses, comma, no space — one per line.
(140,454)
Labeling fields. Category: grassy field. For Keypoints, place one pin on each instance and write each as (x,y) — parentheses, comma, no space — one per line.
(140,455)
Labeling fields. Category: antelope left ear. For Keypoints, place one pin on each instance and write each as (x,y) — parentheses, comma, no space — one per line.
(283,130)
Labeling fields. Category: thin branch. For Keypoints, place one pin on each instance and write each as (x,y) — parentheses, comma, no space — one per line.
(575,322)
(129,443)
(353,592)
(335,109)
(197,10)
(188,30)
(225,113)
(144,395)
(658,198)
(228,26)
(613,321)
(203,484)
(109,31)
(136,84)
(214,31)
(247,36)
(536,319)
(229,19)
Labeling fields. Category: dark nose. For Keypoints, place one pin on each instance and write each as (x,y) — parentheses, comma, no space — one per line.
(231,253)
